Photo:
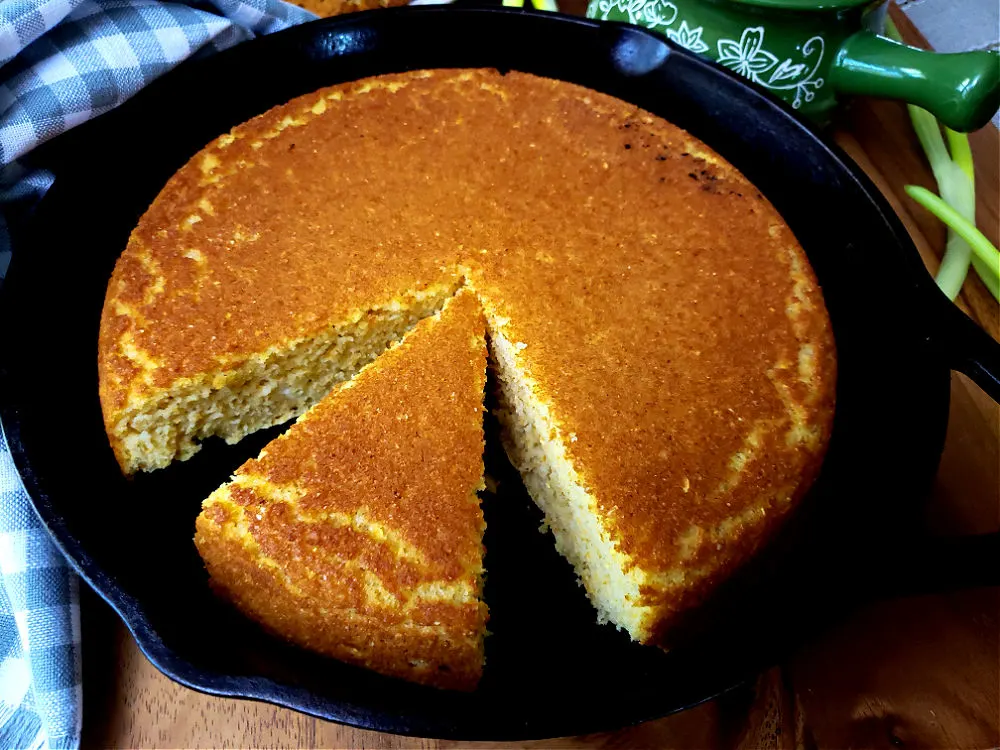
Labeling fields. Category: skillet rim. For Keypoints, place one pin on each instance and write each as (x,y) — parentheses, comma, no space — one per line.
(130,610)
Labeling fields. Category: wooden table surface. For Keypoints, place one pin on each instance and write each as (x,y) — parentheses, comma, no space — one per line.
(915,672)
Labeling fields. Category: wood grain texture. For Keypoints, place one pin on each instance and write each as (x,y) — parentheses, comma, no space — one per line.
(915,672)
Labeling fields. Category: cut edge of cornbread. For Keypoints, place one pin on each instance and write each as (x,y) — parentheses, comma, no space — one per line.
(269,388)
(533,441)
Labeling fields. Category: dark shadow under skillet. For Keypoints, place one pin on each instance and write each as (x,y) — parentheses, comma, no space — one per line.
(551,670)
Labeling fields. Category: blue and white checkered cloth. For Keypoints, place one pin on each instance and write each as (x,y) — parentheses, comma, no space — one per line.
(61,63)
(40,693)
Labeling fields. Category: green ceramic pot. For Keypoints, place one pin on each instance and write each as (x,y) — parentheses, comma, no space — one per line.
(811,52)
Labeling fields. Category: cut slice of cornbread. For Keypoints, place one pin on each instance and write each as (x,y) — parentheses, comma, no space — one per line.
(358,533)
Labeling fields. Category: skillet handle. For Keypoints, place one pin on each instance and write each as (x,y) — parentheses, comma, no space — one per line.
(923,564)
(964,346)
(932,565)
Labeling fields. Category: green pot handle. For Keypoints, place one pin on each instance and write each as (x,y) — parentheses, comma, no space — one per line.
(962,89)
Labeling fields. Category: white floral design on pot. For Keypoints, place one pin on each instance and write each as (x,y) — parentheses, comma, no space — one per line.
(660,13)
(650,13)
(688,37)
(749,58)
(746,56)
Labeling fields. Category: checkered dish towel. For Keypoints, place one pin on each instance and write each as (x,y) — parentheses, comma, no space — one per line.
(61,63)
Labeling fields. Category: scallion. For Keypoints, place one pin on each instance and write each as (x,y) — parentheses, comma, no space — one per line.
(956,180)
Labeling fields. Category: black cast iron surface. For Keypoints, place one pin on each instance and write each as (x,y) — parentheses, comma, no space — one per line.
(551,670)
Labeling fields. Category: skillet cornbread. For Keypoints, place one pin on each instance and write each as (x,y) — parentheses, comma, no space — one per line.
(358,532)
(665,362)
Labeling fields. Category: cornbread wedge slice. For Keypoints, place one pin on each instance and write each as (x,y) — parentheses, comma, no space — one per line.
(358,533)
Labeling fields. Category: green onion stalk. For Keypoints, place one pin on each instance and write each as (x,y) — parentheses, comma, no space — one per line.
(956,206)
(549,5)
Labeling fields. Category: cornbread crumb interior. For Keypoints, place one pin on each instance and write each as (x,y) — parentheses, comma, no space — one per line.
(535,446)
(267,389)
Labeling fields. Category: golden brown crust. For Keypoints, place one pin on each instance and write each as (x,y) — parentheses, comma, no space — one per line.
(327,8)
(358,533)
(663,309)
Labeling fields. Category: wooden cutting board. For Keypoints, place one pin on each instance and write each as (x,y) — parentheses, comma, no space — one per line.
(921,672)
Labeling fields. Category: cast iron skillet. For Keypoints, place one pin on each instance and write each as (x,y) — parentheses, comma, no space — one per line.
(551,669)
